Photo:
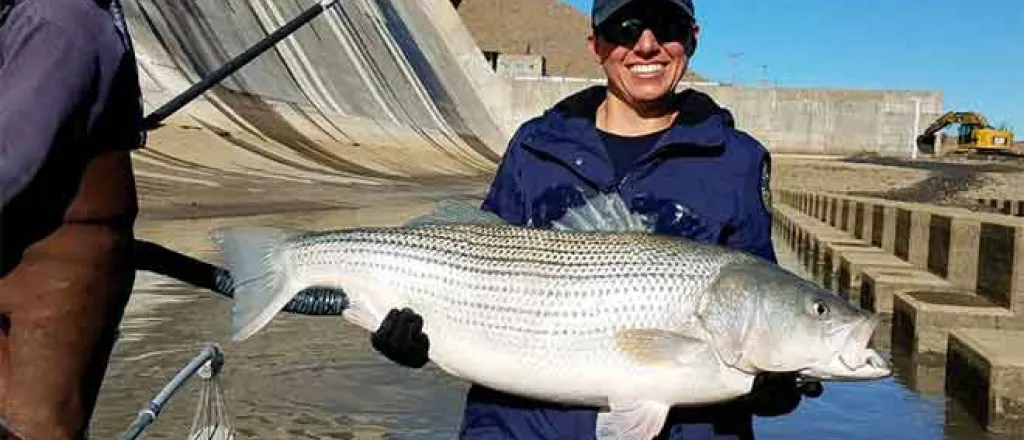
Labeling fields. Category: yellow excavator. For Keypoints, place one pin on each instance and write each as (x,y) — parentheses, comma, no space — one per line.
(973,135)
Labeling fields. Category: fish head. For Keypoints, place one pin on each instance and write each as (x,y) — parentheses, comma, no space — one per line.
(764,318)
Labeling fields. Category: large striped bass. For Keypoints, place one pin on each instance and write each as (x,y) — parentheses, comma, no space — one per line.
(595,311)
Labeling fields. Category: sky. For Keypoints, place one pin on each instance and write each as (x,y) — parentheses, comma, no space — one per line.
(970,50)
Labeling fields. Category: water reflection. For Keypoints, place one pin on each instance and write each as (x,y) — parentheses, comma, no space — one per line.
(318,378)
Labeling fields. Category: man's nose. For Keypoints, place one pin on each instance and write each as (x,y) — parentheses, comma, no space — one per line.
(647,43)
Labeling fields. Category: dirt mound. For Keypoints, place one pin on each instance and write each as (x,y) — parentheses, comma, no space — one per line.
(551,28)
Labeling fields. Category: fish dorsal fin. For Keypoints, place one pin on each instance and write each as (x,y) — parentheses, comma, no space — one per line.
(447,212)
(603,213)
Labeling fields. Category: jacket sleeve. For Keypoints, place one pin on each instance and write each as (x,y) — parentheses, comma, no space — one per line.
(39,63)
(505,196)
(753,233)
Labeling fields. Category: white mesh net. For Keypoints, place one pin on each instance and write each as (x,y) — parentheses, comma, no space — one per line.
(212,421)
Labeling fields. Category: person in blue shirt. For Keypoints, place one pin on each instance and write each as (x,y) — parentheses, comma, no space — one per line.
(70,113)
(677,155)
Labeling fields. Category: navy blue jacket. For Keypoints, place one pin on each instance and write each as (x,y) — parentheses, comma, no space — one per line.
(703,180)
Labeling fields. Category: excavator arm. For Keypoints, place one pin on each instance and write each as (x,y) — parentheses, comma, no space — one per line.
(965,118)
(975,131)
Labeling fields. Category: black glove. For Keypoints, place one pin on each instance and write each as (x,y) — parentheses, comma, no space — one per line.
(776,394)
(400,338)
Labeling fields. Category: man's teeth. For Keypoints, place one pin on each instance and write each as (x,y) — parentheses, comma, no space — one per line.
(646,68)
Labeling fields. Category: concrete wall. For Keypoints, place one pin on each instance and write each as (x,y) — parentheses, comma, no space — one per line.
(786,120)
(520,65)
(376,90)
(369,90)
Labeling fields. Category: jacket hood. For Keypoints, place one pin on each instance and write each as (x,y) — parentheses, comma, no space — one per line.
(569,127)
(694,107)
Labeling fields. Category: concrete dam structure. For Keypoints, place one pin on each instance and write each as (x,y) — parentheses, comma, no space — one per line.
(375,91)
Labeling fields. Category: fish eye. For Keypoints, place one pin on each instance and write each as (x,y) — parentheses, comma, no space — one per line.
(820,309)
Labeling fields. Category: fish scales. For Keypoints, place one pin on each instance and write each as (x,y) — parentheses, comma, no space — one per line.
(504,286)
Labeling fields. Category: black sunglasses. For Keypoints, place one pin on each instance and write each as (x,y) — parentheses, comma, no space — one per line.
(625,29)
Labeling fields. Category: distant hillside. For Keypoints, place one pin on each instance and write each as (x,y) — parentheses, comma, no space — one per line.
(551,28)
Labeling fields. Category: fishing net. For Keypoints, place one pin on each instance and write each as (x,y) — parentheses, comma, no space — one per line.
(212,421)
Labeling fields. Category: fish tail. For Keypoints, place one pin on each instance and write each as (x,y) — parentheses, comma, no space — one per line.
(254,256)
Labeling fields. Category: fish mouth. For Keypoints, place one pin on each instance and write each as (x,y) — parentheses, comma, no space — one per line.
(854,360)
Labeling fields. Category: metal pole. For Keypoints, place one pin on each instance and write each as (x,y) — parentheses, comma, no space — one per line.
(209,355)
(154,119)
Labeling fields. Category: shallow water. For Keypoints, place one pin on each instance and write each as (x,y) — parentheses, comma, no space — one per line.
(317,378)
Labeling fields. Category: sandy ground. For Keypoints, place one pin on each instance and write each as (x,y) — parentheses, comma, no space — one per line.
(949,181)
(190,172)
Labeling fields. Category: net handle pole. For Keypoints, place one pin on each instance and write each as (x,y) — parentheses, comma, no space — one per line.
(154,119)
(210,355)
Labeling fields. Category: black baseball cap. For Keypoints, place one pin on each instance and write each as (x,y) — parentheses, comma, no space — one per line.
(602,9)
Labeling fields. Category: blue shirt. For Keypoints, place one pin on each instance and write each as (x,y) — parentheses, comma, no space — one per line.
(702,178)
(68,85)
(623,151)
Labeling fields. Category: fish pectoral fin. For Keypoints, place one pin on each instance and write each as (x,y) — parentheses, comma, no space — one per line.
(660,347)
(632,420)
(603,212)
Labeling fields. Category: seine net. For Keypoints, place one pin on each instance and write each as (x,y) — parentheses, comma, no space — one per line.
(212,420)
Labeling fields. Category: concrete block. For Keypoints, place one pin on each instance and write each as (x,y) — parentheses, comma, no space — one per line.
(888,221)
(1008,207)
(860,219)
(875,229)
(852,263)
(939,238)
(1001,265)
(922,319)
(846,213)
(833,212)
(901,224)
(829,210)
(917,244)
(964,242)
(832,260)
(879,285)
(927,379)
(985,375)
(881,339)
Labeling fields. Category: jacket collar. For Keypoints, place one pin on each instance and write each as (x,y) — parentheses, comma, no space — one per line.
(568,130)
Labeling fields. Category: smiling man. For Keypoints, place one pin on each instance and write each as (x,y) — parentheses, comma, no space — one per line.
(676,155)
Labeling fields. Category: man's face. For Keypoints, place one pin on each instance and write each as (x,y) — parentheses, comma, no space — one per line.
(648,69)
